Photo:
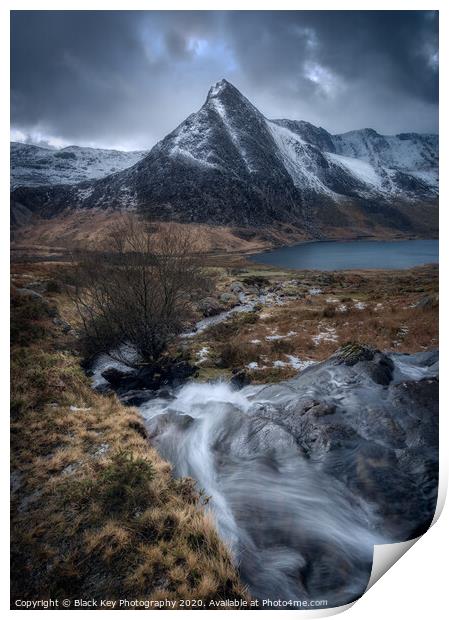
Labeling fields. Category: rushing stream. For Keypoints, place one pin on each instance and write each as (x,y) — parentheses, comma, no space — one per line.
(305,476)
(274,509)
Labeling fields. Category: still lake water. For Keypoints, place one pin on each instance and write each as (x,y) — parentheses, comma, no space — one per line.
(360,254)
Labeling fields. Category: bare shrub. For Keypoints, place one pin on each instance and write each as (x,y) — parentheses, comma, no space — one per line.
(139,290)
(328,311)
(235,353)
(283,346)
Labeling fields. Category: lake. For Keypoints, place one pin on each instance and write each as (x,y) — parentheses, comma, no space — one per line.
(360,254)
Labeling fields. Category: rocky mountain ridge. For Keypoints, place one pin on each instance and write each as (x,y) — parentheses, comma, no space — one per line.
(229,165)
(35,166)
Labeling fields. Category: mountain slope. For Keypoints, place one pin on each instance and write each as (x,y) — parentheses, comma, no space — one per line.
(405,163)
(228,165)
(34,166)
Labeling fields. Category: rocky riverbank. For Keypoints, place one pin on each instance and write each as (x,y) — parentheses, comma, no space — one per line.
(262,326)
(306,475)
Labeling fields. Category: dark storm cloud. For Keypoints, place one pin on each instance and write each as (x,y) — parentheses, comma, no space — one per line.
(126,79)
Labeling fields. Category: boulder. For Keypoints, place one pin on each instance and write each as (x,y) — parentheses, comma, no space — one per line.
(237,287)
(252,290)
(149,378)
(427,302)
(378,366)
(353,352)
(115,377)
(135,398)
(322,409)
(229,299)
(210,306)
(240,379)
(27,292)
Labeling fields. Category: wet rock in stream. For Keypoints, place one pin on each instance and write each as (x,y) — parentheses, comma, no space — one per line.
(307,475)
(133,383)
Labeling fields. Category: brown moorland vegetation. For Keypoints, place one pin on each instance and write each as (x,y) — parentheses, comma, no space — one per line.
(392,310)
(95,511)
(94,508)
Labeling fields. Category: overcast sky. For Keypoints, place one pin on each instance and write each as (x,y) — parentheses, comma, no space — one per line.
(124,80)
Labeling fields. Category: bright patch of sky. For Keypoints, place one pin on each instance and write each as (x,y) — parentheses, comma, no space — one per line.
(327,81)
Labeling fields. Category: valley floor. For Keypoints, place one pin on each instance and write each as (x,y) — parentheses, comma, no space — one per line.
(94,507)
(300,318)
(50,239)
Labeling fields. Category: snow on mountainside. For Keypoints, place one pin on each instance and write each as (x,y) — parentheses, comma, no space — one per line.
(358,168)
(229,165)
(409,153)
(33,166)
(376,159)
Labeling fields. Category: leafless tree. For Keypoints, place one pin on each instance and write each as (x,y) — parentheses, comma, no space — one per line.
(139,290)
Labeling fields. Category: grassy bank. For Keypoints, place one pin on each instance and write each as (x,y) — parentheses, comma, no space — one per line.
(95,511)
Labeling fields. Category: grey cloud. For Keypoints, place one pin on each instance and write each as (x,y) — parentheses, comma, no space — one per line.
(125,79)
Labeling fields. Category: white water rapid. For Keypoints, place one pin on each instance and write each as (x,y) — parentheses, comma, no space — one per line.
(282,518)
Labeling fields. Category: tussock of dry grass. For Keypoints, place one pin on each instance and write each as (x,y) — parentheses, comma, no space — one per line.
(95,510)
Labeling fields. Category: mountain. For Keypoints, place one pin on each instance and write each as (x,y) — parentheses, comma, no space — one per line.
(229,165)
(391,159)
(34,166)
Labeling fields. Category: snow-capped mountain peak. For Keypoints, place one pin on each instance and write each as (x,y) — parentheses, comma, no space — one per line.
(228,102)
(220,87)
(228,164)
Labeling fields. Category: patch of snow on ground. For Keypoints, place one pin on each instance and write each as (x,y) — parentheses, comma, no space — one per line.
(188,155)
(191,141)
(314,291)
(401,334)
(428,176)
(280,337)
(327,334)
(299,364)
(360,305)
